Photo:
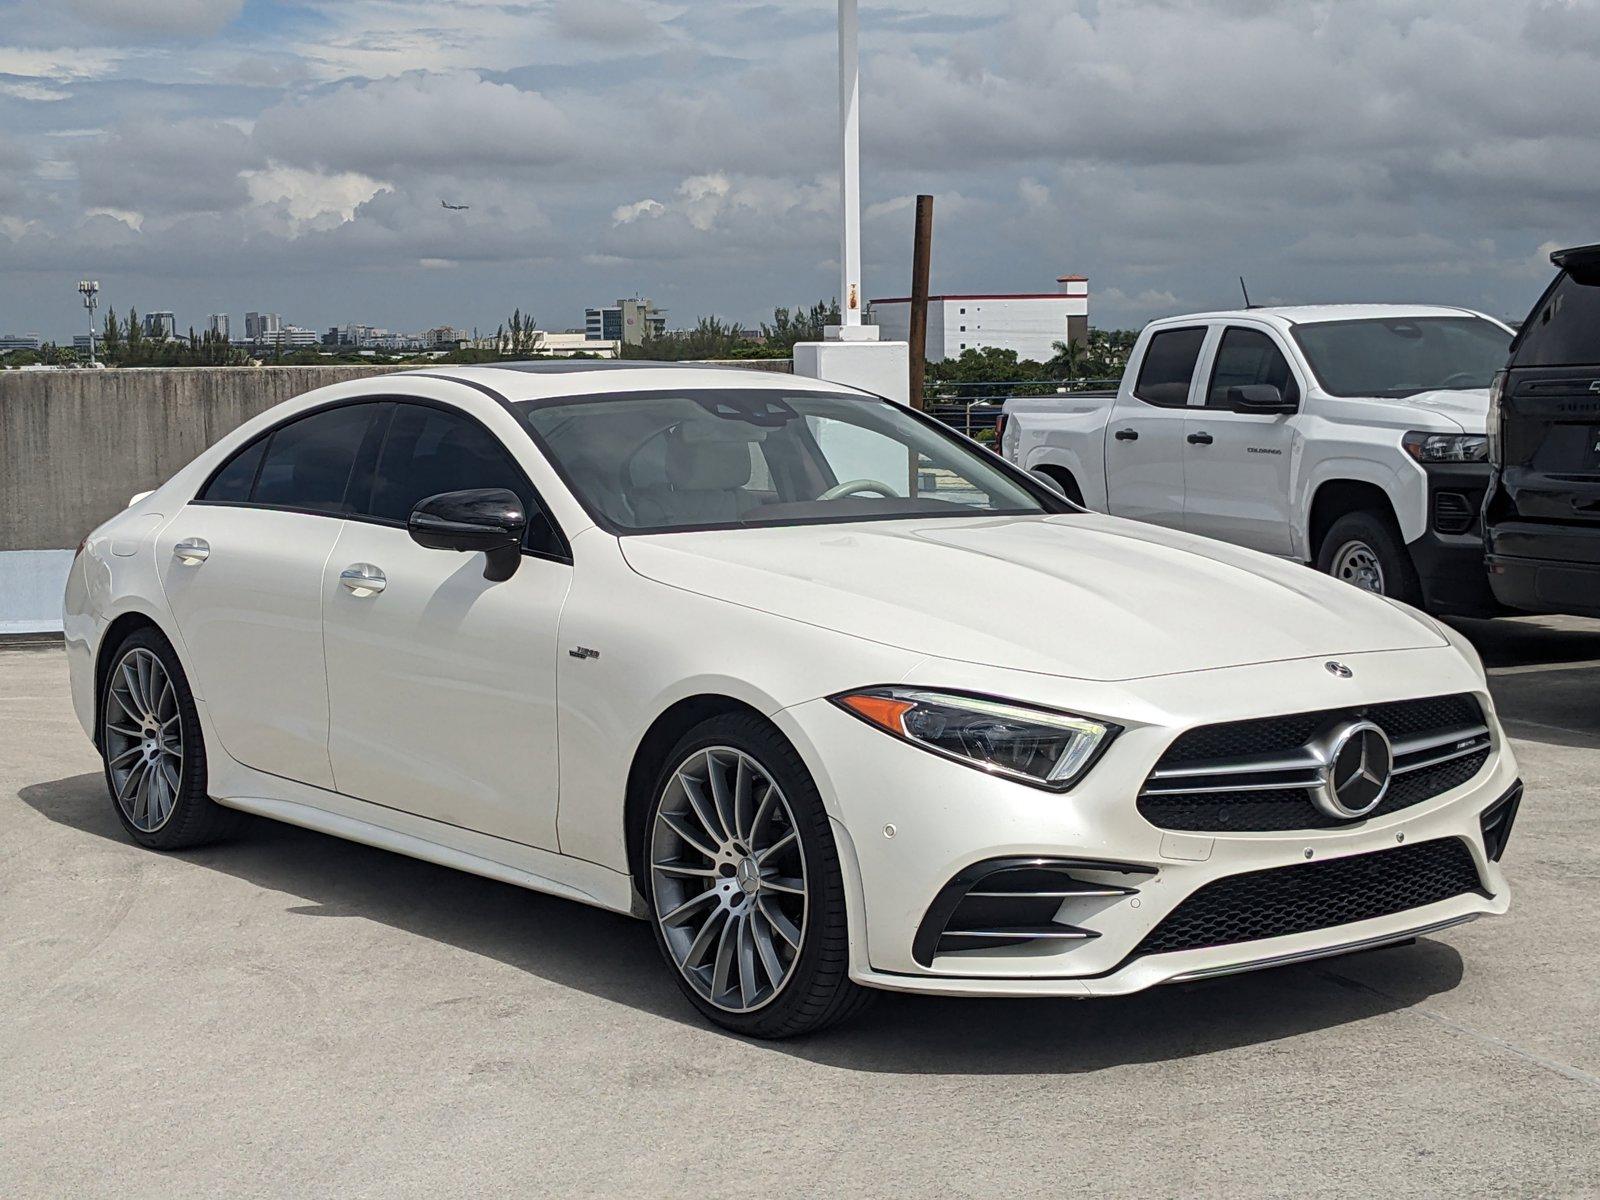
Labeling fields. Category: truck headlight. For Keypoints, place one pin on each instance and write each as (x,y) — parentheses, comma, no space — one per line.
(1037,746)
(1497,391)
(1446,447)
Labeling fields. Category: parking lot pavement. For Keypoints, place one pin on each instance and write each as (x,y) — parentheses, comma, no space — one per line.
(291,1014)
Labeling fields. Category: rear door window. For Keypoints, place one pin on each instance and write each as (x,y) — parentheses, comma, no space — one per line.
(1248,356)
(1564,330)
(306,465)
(1168,367)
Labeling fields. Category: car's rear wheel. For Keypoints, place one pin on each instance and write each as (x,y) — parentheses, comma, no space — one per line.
(154,755)
(743,880)
(1364,549)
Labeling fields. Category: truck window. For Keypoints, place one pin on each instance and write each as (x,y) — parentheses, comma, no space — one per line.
(1562,332)
(1249,356)
(1168,367)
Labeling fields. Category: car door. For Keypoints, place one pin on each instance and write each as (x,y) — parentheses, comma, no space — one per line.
(1238,466)
(242,566)
(1144,438)
(441,683)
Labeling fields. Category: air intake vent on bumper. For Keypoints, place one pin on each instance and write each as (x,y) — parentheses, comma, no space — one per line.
(1013,901)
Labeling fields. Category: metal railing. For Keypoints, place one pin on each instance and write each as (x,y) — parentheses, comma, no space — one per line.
(973,406)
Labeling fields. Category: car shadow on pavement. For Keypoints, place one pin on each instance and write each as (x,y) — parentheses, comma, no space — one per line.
(614,958)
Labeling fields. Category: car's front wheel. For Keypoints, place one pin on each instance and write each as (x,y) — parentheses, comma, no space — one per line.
(743,880)
(154,756)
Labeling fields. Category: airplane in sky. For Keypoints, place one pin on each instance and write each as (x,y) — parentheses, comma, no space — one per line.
(454,207)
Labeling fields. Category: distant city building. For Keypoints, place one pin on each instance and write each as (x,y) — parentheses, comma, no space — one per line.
(19,341)
(446,337)
(296,337)
(217,325)
(1029,324)
(262,327)
(80,343)
(160,326)
(626,321)
(564,345)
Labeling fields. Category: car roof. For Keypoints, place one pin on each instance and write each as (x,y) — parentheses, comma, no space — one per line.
(552,378)
(1286,315)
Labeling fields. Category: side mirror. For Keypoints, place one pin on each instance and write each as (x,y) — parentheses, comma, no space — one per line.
(1261,398)
(488,519)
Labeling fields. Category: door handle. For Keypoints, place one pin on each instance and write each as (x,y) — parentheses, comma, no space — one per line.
(1127,435)
(191,552)
(1200,439)
(363,579)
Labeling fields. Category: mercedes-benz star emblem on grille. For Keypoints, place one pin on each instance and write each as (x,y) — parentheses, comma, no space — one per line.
(1339,669)
(1360,765)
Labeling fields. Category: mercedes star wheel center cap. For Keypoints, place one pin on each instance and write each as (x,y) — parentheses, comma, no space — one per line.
(1360,764)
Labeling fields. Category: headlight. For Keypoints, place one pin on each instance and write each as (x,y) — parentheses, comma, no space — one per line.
(1447,447)
(1038,746)
(1497,390)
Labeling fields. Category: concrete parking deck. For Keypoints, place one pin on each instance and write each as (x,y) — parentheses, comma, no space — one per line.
(293,1015)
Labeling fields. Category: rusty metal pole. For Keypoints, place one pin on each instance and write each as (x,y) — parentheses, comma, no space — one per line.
(921,267)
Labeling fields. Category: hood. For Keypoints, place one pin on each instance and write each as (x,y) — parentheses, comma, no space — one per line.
(1467,411)
(1084,596)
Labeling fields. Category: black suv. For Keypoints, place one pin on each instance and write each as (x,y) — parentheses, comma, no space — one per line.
(1541,516)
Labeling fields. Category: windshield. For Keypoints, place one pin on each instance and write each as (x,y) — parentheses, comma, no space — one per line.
(1394,357)
(659,461)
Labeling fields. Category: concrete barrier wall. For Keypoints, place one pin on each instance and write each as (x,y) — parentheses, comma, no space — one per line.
(74,445)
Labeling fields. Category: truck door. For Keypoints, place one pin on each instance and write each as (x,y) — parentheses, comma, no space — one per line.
(1237,466)
(1144,438)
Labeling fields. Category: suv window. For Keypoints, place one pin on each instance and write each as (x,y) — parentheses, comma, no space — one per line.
(429,451)
(1249,356)
(1564,330)
(306,463)
(1168,367)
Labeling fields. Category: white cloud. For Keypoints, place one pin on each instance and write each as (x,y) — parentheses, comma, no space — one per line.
(624,214)
(33,91)
(307,195)
(133,220)
(63,64)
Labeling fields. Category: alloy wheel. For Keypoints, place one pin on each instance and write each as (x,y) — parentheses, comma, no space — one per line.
(144,740)
(1357,563)
(728,879)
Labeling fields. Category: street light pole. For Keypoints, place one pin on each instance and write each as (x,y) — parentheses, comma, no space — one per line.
(90,290)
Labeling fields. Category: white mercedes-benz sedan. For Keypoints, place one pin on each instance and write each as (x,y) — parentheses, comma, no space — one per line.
(834,698)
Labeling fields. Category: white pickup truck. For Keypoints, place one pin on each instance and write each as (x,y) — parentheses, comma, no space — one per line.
(1350,437)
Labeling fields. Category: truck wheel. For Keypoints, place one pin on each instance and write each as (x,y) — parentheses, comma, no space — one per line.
(1364,549)
(1063,482)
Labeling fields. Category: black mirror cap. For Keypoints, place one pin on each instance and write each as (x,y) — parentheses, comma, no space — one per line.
(1259,398)
(491,520)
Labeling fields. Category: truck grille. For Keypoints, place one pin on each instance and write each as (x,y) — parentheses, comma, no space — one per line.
(1258,776)
(1303,898)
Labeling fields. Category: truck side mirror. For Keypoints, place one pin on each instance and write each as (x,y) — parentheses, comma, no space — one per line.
(1260,398)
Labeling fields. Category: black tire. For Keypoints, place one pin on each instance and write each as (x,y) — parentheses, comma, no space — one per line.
(1066,483)
(818,991)
(1376,533)
(195,819)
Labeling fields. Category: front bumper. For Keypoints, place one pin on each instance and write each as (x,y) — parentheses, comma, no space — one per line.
(1449,554)
(908,822)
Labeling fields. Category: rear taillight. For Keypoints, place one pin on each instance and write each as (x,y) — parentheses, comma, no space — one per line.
(83,545)
(1000,433)
(1492,421)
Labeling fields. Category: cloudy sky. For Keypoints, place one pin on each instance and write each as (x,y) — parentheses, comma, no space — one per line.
(224,155)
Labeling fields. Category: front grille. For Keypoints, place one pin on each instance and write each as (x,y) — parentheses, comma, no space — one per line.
(1303,898)
(1257,776)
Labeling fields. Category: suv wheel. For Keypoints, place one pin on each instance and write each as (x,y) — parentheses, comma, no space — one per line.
(1364,549)
(743,881)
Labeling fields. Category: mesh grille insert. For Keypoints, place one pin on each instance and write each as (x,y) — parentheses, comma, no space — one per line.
(1302,898)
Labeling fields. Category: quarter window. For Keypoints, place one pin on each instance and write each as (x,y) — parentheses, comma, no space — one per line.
(1248,356)
(232,484)
(1168,367)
